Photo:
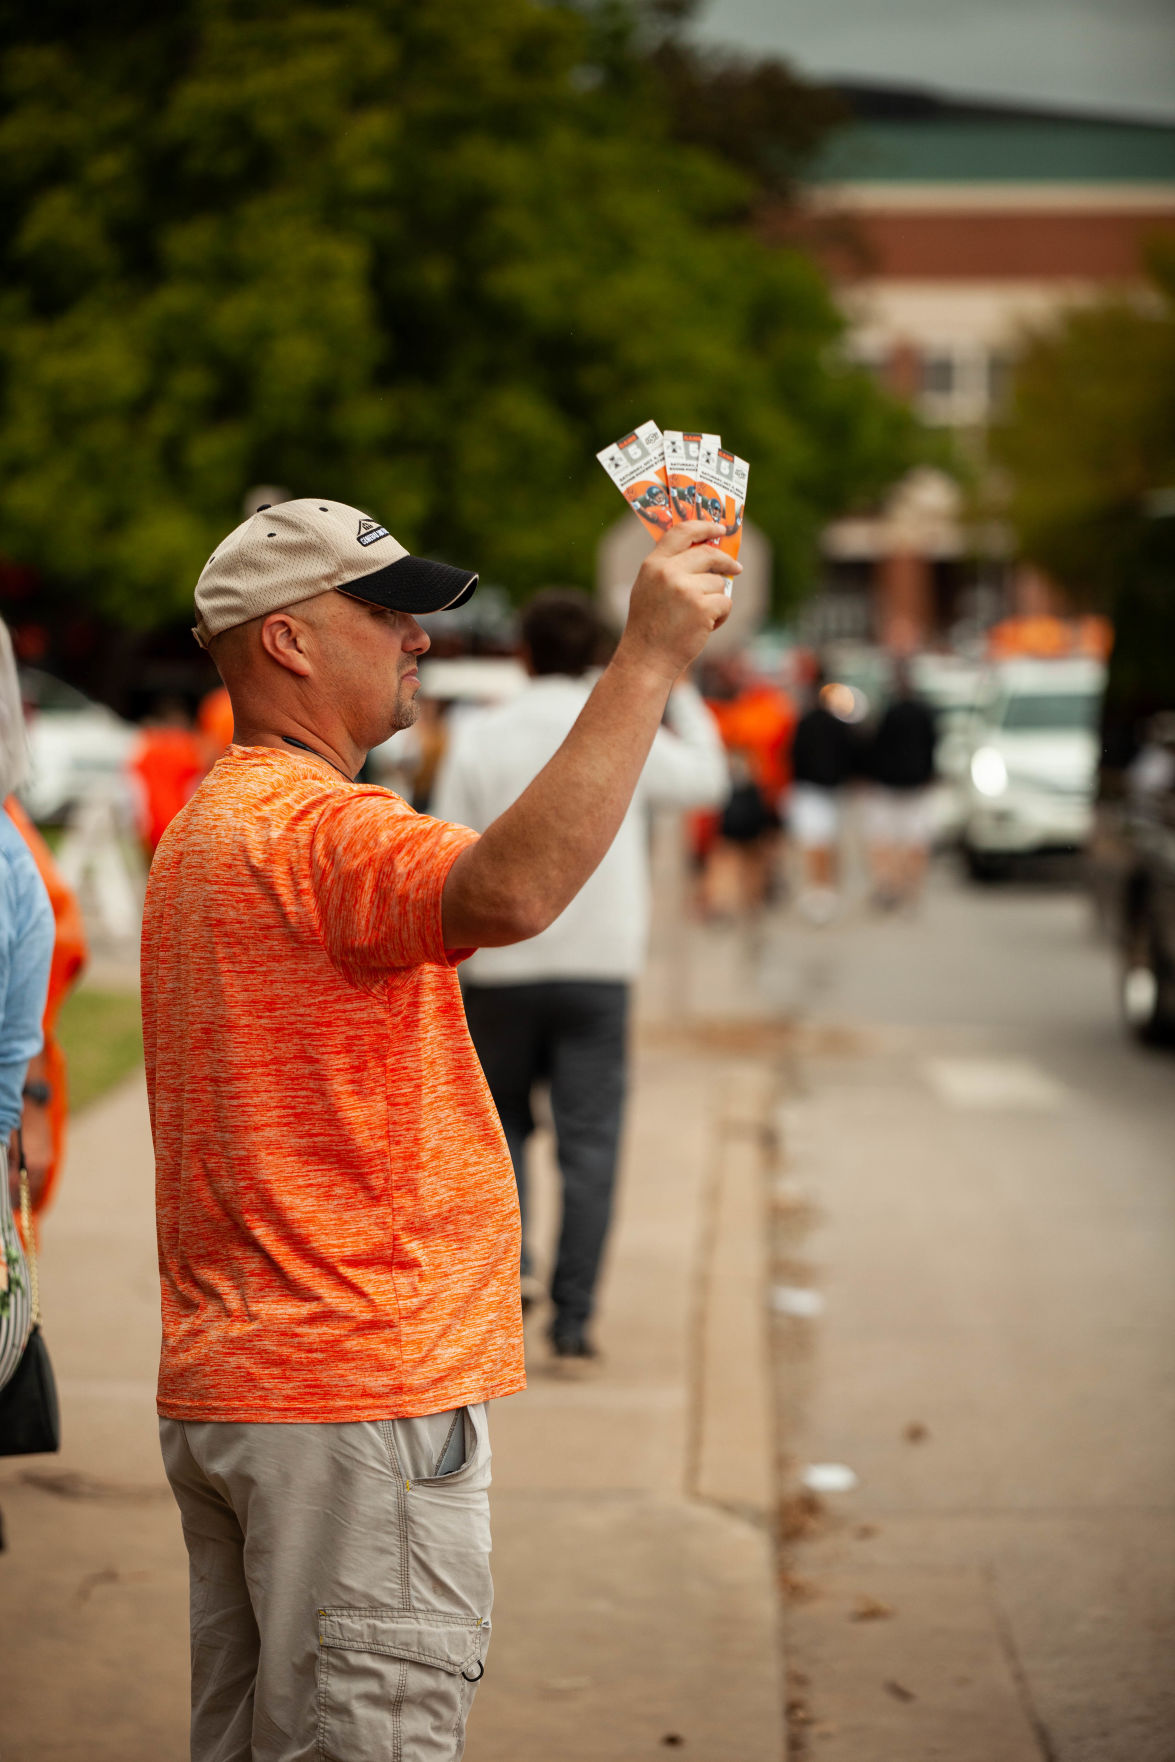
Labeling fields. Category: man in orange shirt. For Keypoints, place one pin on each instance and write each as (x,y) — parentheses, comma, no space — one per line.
(338,1224)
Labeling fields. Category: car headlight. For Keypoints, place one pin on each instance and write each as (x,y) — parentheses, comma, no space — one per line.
(989,773)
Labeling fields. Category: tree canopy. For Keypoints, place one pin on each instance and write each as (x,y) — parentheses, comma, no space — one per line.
(1089,442)
(423,258)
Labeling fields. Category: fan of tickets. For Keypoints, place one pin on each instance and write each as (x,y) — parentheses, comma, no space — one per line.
(675,476)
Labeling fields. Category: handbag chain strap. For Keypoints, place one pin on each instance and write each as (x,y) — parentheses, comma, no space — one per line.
(30,1243)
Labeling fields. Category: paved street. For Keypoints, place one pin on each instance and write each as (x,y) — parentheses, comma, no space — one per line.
(977,1179)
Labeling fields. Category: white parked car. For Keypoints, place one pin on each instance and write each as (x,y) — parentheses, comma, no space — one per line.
(949,684)
(75,747)
(1032,762)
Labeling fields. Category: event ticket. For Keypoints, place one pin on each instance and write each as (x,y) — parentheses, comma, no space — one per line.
(722,491)
(681,471)
(636,465)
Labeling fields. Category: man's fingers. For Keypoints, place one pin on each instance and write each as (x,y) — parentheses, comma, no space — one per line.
(684,535)
(680,537)
(712,581)
(704,560)
(718,604)
(710,560)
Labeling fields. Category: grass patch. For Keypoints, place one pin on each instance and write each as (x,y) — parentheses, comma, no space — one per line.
(102,1037)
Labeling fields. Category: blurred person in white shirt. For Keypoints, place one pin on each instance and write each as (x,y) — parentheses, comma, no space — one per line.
(555,1009)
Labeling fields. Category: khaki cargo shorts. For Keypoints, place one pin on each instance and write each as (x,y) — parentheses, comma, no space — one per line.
(340,1585)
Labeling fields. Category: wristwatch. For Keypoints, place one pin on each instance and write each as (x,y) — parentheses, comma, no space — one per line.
(39,1093)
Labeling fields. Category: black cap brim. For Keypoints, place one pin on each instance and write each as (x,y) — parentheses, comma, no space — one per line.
(414,584)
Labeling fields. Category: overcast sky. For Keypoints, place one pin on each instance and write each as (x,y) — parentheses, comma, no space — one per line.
(1109,55)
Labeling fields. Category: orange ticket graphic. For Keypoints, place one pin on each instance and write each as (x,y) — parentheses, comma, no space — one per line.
(681,471)
(636,465)
(722,492)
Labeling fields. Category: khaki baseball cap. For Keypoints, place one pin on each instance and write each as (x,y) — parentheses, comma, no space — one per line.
(298,549)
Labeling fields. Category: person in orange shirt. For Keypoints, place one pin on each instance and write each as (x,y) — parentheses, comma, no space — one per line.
(46,1100)
(1040,634)
(337,1214)
(757,721)
(214,724)
(168,762)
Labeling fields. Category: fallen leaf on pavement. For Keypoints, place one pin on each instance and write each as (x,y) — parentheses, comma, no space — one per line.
(800,1515)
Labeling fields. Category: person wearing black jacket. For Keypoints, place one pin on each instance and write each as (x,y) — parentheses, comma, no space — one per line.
(824,759)
(901,766)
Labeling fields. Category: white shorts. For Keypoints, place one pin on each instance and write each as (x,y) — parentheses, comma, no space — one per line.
(813,816)
(898,817)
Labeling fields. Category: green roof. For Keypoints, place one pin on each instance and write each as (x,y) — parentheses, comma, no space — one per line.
(995,149)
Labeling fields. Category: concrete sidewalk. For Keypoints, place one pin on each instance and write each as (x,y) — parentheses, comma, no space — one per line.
(636,1604)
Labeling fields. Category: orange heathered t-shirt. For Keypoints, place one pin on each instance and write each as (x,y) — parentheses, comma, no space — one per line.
(338,1221)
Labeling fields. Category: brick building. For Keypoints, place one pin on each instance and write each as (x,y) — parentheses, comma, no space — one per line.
(950,228)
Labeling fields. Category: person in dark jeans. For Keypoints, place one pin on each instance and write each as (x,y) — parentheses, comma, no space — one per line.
(898,827)
(824,758)
(554,1010)
(573,1035)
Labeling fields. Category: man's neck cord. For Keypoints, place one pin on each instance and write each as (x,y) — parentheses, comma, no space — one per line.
(314,753)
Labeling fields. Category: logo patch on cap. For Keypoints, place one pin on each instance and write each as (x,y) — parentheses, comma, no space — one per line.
(369,531)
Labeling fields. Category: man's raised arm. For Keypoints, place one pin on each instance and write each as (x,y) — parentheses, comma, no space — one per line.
(529,865)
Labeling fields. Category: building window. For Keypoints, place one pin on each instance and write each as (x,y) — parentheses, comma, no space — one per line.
(959,384)
(938,376)
(941,387)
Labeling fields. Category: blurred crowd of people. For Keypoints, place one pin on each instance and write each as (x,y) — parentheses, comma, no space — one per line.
(794,755)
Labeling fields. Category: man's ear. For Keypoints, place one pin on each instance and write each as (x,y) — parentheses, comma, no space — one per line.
(283,637)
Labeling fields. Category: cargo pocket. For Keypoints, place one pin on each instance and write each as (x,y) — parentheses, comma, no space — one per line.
(396,1685)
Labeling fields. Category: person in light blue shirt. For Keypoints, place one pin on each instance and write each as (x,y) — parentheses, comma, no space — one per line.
(26,917)
(26,949)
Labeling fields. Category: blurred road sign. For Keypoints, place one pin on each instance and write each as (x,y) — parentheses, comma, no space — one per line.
(624,548)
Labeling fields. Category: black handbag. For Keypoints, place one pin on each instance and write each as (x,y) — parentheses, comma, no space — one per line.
(30,1422)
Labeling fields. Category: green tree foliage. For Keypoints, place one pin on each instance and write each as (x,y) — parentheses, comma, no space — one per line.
(1090,437)
(425,258)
